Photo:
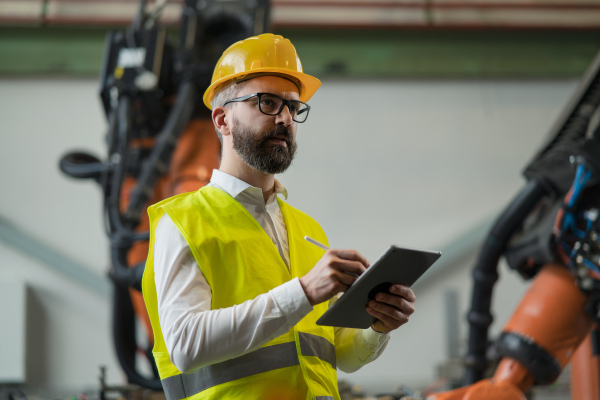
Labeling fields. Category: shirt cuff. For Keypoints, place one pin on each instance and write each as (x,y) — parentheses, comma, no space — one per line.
(292,301)
(374,338)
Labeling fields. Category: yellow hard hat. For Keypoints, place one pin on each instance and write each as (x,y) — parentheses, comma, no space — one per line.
(265,54)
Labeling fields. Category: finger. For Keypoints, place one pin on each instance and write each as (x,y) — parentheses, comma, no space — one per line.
(403,291)
(353,255)
(389,315)
(390,322)
(343,265)
(392,303)
(345,278)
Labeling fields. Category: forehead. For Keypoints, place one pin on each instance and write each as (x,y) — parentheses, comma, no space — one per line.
(271,84)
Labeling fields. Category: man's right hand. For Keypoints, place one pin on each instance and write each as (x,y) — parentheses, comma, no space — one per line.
(332,274)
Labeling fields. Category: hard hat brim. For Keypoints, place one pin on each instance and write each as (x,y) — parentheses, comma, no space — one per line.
(307,84)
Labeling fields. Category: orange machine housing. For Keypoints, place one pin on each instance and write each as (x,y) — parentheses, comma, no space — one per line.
(552,317)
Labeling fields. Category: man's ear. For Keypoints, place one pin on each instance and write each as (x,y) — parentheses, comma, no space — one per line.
(221,122)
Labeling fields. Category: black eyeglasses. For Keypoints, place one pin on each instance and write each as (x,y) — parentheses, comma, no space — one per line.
(271,104)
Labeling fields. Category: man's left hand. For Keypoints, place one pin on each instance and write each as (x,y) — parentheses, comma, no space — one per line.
(392,309)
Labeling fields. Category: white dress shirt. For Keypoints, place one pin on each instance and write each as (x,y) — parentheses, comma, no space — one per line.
(196,336)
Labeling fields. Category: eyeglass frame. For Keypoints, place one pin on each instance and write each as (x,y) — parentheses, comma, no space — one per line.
(284,102)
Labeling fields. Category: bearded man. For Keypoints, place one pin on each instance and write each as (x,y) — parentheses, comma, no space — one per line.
(232,289)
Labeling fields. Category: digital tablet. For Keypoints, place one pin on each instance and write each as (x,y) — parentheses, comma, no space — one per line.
(396,266)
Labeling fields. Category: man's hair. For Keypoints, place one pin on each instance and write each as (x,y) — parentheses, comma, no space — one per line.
(228,92)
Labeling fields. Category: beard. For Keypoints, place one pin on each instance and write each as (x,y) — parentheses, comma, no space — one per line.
(261,154)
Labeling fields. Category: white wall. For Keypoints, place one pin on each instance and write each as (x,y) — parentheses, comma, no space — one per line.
(379,162)
(69,325)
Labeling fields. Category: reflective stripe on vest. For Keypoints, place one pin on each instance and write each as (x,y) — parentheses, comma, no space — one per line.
(262,360)
(312,345)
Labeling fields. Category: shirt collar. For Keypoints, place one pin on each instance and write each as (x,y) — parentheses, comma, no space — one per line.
(235,186)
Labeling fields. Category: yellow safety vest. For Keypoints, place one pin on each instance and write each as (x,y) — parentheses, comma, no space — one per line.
(239,261)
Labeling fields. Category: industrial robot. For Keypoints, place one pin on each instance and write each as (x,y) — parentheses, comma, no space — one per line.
(549,233)
(160,142)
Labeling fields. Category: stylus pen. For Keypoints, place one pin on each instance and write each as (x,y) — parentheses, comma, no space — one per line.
(315,242)
(321,245)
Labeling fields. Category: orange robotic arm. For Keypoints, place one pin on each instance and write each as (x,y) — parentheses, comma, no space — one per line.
(538,341)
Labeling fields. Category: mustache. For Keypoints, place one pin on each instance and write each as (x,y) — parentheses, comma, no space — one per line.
(279,131)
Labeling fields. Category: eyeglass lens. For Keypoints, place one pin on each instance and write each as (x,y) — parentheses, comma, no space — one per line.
(271,104)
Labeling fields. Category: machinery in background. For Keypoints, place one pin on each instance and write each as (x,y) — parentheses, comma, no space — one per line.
(549,232)
(160,141)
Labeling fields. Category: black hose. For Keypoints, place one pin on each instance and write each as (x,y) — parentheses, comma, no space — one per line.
(485,276)
(121,274)
(120,164)
(160,158)
(122,235)
(124,338)
(122,238)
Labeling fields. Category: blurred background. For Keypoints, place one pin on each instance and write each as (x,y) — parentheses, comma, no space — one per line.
(428,113)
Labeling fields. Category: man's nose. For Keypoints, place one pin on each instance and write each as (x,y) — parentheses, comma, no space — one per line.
(284,117)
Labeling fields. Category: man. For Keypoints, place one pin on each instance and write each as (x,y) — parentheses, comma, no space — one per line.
(232,289)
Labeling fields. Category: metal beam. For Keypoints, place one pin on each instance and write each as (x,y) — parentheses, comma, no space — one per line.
(445,54)
(34,248)
(55,51)
(389,54)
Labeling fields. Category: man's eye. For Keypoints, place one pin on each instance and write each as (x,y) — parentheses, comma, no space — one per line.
(268,102)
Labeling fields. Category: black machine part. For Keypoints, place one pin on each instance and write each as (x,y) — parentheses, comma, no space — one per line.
(138,64)
(210,26)
(533,246)
(552,166)
(82,165)
(542,365)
